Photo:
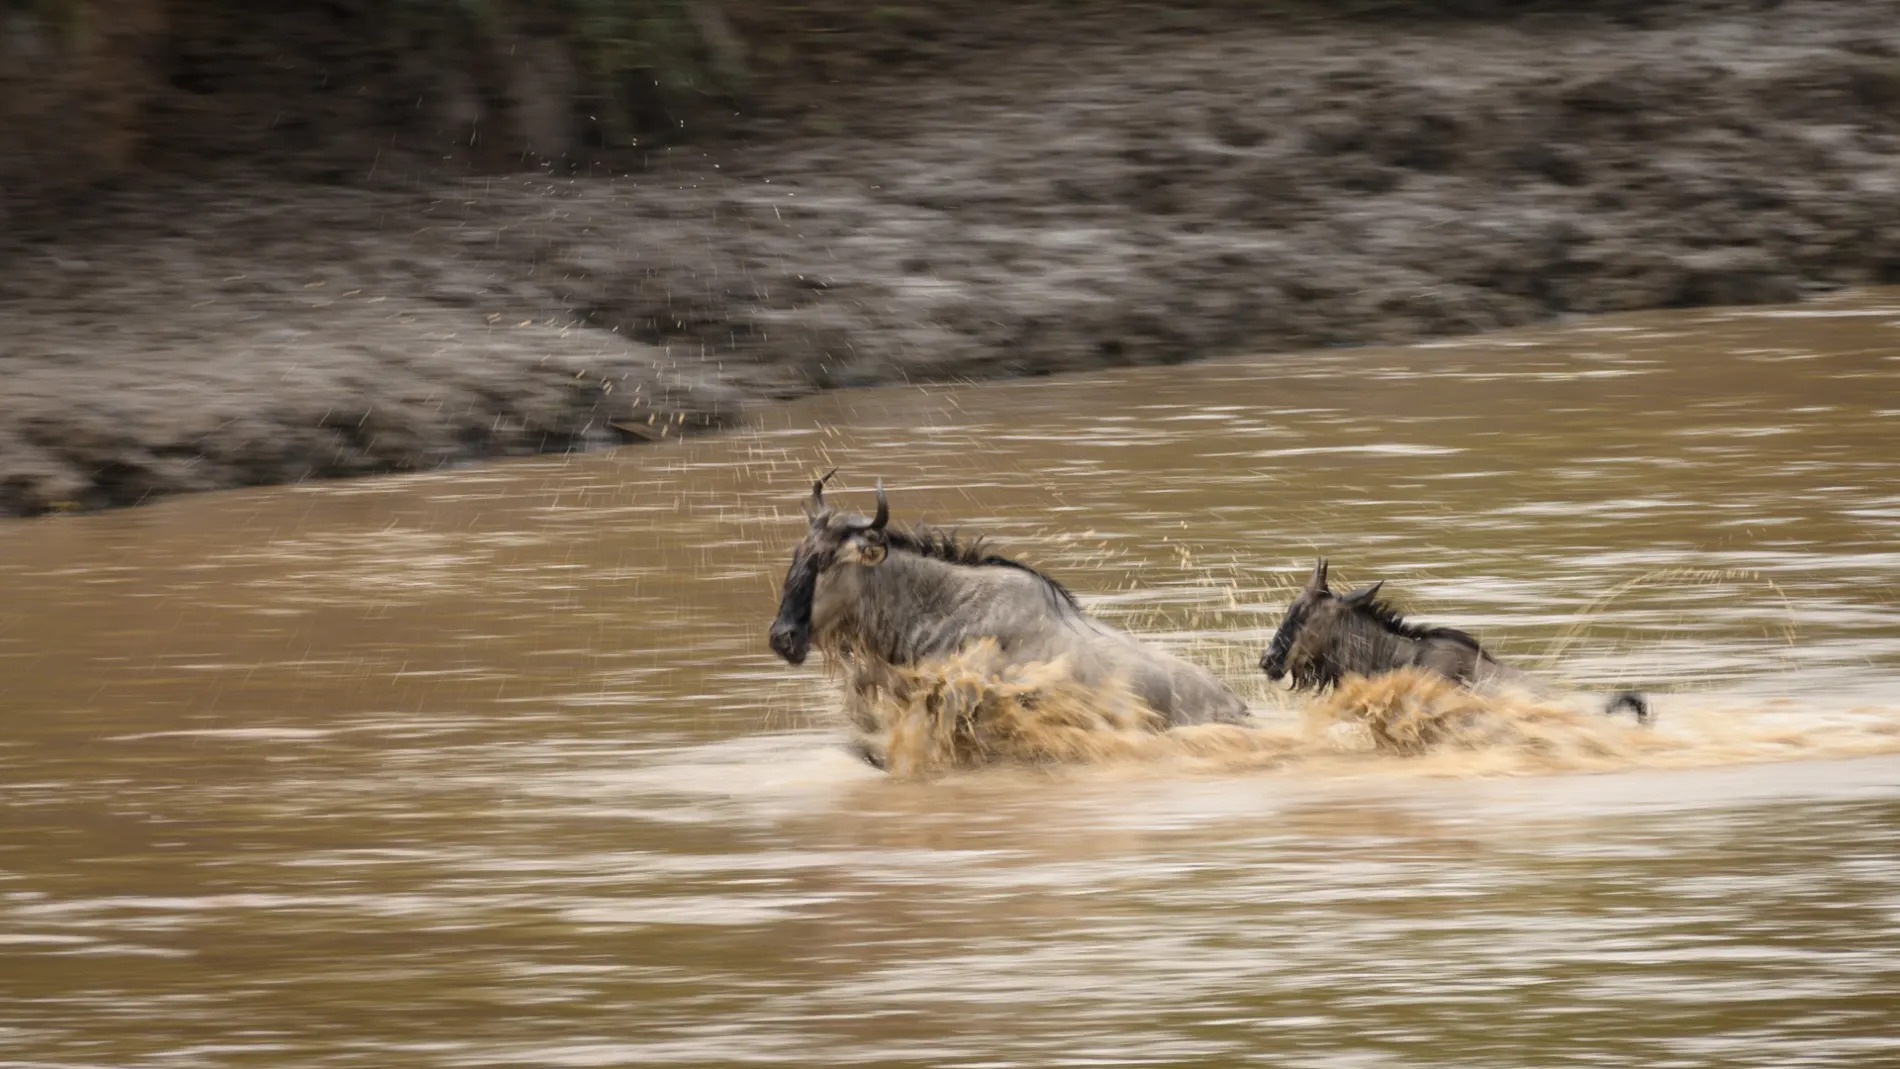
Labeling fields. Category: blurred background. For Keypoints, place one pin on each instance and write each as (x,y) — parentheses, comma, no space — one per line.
(238,239)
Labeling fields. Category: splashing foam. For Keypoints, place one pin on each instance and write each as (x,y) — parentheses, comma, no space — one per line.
(1414,713)
(977,709)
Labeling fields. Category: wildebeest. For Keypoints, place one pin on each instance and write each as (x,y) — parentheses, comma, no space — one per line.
(1325,636)
(876,598)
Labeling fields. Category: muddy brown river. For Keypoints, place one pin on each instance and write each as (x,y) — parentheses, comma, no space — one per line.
(494,768)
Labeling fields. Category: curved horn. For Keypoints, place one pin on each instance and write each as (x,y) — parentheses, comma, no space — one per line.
(1317,584)
(883,509)
(818,488)
(1364,595)
(814,505)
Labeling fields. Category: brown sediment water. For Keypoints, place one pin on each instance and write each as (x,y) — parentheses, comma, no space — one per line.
(493,767)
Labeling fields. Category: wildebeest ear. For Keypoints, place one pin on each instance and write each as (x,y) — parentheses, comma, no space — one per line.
(1364,595)
(1317,583)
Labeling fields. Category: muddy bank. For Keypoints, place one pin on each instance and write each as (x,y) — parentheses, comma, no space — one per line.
(1174,190)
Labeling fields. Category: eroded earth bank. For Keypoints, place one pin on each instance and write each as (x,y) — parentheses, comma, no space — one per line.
(1053,193)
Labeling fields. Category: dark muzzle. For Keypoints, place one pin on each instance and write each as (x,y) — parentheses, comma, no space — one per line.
(790,641)
(1274,667)
(1280,648)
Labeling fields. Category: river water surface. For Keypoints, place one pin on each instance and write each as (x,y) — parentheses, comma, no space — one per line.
(493,767)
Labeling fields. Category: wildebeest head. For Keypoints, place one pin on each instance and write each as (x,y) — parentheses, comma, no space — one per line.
(836,539)
(1303,647)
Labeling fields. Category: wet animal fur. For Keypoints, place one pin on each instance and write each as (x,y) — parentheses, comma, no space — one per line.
(876,600)
(1325,636)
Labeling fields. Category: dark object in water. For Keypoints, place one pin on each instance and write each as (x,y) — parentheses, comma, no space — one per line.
(876,599)
(1325,636)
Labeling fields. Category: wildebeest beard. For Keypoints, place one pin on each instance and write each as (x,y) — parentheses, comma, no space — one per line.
(1316,672)
(1274,663)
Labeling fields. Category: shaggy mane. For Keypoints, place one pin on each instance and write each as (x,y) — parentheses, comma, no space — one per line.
(935,544)
(1391,619)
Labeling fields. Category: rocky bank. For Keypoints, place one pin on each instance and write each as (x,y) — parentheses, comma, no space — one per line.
(1056,195)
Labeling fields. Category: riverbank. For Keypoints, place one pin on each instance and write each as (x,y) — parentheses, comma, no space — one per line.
(1226,182)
